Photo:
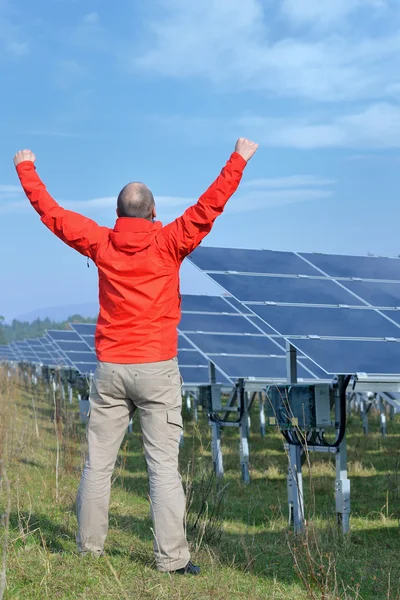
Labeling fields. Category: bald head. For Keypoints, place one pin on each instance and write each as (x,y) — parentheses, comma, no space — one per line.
(136,200)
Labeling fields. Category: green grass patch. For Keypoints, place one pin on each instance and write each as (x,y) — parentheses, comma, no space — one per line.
(238,534)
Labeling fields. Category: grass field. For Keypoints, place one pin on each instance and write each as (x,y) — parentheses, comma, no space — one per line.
(241,538)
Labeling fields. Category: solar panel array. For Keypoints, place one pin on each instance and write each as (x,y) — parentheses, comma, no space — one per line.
(235,340)
(343,312)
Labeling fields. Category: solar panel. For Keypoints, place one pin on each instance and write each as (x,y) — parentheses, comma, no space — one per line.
(377,293)
(249,367)
(200,375)
(249,261)
(233,342)
(183,344)
(212,304)
(313,307)
(191,358)
(291,290)
(66,335)
(221,323)
(365,267)
(84,328)
(78,346)
(327,322)
(86,368)
(372,357)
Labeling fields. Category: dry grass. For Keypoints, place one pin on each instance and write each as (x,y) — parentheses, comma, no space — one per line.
(238,533)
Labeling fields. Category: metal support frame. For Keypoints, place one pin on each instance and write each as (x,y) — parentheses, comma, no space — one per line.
(294,477)
(342,482)
(382,416)
(216,449)
(364,416)
(262,414)
(216,433)
(244,433)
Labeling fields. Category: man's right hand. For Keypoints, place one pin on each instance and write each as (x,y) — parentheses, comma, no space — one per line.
(245,148)
(24,155)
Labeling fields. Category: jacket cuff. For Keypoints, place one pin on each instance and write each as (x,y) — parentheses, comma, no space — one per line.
(238,160)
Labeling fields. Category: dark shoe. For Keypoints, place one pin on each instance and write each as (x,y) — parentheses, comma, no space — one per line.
(190,569)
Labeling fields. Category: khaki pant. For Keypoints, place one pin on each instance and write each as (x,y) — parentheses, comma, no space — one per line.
(154,389)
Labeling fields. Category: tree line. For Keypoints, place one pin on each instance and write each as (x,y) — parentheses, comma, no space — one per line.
(22,330)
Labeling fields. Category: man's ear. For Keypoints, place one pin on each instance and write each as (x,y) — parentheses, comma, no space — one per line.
(154,213)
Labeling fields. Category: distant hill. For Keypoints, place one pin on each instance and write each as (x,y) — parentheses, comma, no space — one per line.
(61,313)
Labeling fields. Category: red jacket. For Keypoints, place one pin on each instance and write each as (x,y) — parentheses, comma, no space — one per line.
(138,264)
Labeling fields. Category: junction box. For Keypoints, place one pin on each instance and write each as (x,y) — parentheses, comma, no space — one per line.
(299,405)
(210,397)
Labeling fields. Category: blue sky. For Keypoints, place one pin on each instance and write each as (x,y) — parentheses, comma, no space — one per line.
(106,92)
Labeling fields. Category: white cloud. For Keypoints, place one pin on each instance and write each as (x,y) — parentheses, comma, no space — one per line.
(375,126)
(10,189)
(326,12)
(243,46)
(255,194)
(259,199)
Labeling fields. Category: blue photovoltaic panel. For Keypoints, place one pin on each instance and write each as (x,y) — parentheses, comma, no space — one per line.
(235,344)
(81,356)
(212,304)
(259,323)
(328,322)
(315,369)
(67,335)
(394,315)
(84,328)
(351,356)
(200,375)
(378,294)
(72,346)
(85,368)
(183,344)
(191,358)
(260,367)
(215,323)
(292,290)
(239,307)
(365,267)
(89,340)
(250,261)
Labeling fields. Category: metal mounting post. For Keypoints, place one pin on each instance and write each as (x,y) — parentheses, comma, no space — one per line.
(295,489)
(382,416)
(215,432)
(364,415)
(342,483)
(243,429)
(262,414)
(216,449)
(295,477)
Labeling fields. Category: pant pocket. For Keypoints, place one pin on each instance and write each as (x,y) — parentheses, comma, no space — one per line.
(174,424)
(174,417)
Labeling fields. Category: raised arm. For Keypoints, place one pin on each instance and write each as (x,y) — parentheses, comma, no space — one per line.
(184,234)
(77,231)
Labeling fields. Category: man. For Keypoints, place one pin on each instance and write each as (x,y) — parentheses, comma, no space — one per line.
(138,264)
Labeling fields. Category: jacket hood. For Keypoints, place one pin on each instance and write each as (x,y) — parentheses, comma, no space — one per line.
(133,234)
